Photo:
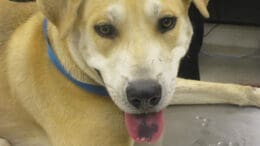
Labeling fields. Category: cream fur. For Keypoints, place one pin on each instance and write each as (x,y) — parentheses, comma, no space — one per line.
(39,106)
(3,142)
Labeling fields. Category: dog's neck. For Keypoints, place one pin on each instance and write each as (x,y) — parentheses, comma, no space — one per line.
(61,58)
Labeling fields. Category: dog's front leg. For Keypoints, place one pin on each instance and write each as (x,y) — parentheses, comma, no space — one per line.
(199,92)
(4,142)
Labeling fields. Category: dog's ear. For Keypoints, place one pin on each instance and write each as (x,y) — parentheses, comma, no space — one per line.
(202,7)
(62,13)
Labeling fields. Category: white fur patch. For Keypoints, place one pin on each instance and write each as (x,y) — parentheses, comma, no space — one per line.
(116,12)
(152,8)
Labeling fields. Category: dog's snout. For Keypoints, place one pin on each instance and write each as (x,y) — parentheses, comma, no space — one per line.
(144,94)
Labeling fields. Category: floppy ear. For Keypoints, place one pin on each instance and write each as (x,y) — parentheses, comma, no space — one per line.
(202,7)
(62,13)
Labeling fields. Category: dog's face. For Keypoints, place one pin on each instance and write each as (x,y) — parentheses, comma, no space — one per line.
(132,47)
(132,43)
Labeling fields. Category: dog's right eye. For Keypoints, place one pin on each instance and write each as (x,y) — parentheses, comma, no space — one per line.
(166,24)
(106,30)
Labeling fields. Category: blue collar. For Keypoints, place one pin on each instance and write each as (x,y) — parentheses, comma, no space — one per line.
(99,90)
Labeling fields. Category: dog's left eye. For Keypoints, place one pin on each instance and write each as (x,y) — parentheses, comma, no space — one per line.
(106,30)
(166,24)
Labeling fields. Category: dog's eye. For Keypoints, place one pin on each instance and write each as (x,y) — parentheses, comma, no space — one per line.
(106,30)
(166,23)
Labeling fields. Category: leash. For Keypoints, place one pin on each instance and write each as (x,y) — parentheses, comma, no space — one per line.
(99,90)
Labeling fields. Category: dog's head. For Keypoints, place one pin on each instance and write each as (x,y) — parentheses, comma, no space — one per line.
(136,45)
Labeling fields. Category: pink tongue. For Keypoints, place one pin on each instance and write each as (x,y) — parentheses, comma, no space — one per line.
(145,127)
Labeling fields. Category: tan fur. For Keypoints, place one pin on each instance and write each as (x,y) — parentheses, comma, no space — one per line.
(11,19)
(38,105)
(3,142)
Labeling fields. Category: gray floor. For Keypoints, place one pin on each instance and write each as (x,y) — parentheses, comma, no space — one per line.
(229,54)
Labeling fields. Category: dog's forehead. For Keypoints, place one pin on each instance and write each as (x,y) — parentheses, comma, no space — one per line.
(152,7)
(116,12)
(135,11)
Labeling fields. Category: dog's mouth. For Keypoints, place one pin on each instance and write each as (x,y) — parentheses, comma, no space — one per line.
(145,128)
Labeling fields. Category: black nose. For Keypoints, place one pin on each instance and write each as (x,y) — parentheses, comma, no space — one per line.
(144,94)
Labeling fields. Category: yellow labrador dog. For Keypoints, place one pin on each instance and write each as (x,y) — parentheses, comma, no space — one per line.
(62,66)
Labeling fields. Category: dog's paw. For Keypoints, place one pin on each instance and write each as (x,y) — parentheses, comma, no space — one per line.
(4,142)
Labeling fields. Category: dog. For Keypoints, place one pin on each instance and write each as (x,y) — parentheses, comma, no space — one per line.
(90,72)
